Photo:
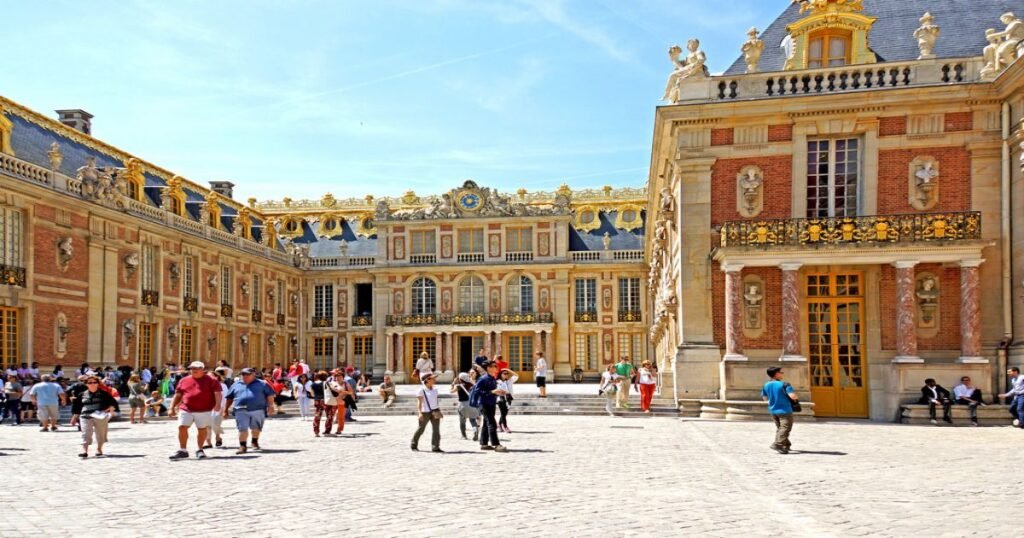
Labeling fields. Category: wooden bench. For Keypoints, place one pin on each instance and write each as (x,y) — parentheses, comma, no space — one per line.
(988,415)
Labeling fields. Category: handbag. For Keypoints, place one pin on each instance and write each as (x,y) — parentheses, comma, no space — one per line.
(434,413)
(795,403)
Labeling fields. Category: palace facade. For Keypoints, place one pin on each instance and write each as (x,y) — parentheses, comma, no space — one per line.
(840,202)
(110,259)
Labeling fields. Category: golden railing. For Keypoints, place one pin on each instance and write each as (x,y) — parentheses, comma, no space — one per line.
(510,318)
(837,231)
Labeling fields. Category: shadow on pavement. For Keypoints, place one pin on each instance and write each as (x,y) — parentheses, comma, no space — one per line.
(459,451)
(529,451)
(279,450)
(537,433)
(14,449)
(818,452)
(119,456)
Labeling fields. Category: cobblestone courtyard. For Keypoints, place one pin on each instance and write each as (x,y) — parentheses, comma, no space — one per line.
(563,476)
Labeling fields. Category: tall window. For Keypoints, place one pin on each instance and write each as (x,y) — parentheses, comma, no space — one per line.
(280,297)
(323,301)
(424,343)
(519,239)
(256,350)
(422,242)
(828,49)
(145,345)
(471,241)
(227,286)
(471,295)
(586,295)
(362,353)
(833,173)
(323,353)
(224,345)
(11,243)
(586,351)
(520,352)
(629,294)
(257,292)
(187,344)
(189,273)
(424,296)
(149,267)
(520,294)
(9,351)
(631,346)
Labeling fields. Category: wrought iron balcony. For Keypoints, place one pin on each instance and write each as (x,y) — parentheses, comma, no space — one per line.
(191,304)
(629,315)
(226,310)
(150,297)
(257,315)
(510,318)
(12,276)
(879,230)
(586,316)
(320,322)
(362,321)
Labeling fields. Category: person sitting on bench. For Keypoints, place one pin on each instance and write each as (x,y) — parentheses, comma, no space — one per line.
(967,394)
(933,395)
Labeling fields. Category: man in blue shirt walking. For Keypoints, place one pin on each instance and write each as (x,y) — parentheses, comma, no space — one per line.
(253,401)
(780,396)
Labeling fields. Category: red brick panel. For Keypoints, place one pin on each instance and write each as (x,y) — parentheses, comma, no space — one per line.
(947,335)
(959,121)
(721,137)
(780,133)
(777,188)
(894,182)
(44,334)
(771,337)
(892,126)
(44,248)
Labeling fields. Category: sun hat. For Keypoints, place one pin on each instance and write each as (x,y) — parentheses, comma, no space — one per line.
(196,364)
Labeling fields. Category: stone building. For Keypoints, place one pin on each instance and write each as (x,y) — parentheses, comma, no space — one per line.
(838,202)
(110,259)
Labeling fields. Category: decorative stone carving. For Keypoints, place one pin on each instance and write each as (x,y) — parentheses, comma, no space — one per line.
(56,156)
(661,232)
(927,292)
(300,255)
(543,244)
(543,298)
(61,331)
(172,335)
(494,246)
(244,287)
(606,298)
(295,299)
(271,293)
(127,334)
(926,36)
(211,282)
(667,206)
(468,200)
(211,339)
(97,184)
(399,303)
(924,183)
(343,248)
(1001,50)
(752,50)
(342,303)
(65,251)
(749,191)
(753,304)
(383,211)
(495,300)
(692,67)
(131,264)
(446,246)
(244,340)
(272,341)
(607,241)
(174,273)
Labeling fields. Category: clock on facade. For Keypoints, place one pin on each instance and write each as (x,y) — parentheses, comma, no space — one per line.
(469,201)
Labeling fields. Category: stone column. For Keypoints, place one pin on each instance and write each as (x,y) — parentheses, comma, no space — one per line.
(791,312)
(389,353)
(438,352)
(733,312)
(906,313)
(497,343)
(399,352)
(970,312)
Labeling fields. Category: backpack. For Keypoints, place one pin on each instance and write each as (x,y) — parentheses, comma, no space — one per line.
(476,396)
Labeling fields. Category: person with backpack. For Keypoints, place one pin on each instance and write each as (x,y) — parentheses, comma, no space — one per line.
(319,390)
(334,398)
(461,386)
(781,399)
(485,396)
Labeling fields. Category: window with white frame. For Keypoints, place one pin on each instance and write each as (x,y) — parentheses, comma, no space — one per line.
(323,301)
(424,296)
(422,242)
(280,297)
(471,241)
(586,295)
(629,294)
(520,294)
(227,286)
(189,274)
(586,351)
(631,346)
(833,177)
(149,272)
(11,241)
(471,295)
(257,292)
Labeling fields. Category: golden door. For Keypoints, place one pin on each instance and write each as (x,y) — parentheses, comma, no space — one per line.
(835,331)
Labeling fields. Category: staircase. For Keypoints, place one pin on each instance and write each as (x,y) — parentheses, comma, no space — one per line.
(528,404)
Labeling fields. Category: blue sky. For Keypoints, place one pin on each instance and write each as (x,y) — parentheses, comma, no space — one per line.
(304,97)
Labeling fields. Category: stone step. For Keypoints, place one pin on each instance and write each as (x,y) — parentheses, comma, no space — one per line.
(989,415)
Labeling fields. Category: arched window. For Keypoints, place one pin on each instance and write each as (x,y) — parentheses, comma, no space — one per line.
(471,295)
(829,48)
(520,295)
(424,296)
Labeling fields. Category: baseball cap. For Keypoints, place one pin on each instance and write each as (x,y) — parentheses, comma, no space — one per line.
(197,364)
(248,371)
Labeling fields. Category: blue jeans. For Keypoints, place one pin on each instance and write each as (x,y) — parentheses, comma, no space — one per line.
(1017,409)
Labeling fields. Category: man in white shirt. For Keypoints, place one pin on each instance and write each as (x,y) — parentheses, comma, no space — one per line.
(967,394)
(1017,392)
(540,374)
(428,410)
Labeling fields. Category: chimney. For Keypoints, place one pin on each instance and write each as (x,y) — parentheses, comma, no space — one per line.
(223,188)
(77,119)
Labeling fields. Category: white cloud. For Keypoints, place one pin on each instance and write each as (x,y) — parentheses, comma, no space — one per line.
(554,12)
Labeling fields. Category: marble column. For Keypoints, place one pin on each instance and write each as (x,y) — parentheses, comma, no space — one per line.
(791,312)
(399,352)
(906,313)
(970,312)
(438,352)
(497,343)
(389,350)
(733,312)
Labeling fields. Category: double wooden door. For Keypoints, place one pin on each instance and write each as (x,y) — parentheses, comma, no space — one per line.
(835,331)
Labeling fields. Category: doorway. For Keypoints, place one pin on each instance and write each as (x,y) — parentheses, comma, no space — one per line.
(835,331)
(468,346)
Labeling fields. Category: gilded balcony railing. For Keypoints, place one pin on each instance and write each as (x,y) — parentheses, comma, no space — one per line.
(322,321)
(280,319)
(12,276)
(839,231)
(509,318)
(629,315)
(257,315)
(191,304)
(150,297)
(362,321)
(227,310)
(585,316)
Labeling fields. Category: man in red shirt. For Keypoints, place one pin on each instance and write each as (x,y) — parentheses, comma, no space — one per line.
(197,395)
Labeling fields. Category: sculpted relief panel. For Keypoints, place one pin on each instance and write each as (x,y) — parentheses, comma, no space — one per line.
(924,183)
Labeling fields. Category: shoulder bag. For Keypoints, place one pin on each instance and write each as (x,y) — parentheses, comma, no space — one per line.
(795,403)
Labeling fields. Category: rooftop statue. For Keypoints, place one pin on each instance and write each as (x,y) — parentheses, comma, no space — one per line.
(1012,36)
(926,36)
(690,67)
(752,50)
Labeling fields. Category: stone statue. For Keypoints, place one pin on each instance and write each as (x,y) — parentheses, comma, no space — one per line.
(383,210)
(211,282)
(752,298)
(990,55)
(1011,36)
(753,295)
(668,203)
(690,67)
(55,155)
(65,250)
(927,300)
(245,288)
(272,340)
(128,329)
(131,263)
(172,334)
(607,241)
(244,339)
(750,181)
(926,36)
(174,271)
(752,50)
(661,232)
(343,248)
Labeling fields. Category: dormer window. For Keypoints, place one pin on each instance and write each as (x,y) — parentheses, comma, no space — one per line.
(830,48)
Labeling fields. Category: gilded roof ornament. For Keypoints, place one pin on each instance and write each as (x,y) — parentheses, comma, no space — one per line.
(819,6)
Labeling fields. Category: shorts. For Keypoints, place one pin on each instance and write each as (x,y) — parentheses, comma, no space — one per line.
(136,403)
(202,419)
(542,381)
(49,412)
(246,420)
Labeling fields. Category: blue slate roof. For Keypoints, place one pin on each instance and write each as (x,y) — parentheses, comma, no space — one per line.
(963,24)
(329,246)
(594,240)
